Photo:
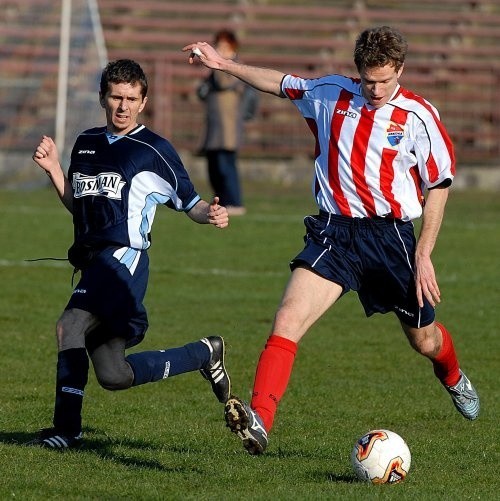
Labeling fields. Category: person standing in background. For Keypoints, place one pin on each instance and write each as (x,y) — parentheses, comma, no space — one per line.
(228,103)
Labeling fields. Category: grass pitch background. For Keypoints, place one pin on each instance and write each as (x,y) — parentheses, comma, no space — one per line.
(352,374)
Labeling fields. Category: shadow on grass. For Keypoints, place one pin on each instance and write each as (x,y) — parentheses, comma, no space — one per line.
(106,449)
(121,451)
(319,475)
(338,478)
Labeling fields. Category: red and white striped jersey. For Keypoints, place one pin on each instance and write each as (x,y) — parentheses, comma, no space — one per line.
(371,162)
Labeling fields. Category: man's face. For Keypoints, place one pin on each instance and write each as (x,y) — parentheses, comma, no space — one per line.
(225,49)
(122,102)
(379,83)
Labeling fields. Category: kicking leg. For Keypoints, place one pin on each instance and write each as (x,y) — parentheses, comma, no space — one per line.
(114,371)
(306,298)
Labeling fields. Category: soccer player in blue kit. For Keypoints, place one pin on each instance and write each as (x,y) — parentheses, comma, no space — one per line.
(118,175)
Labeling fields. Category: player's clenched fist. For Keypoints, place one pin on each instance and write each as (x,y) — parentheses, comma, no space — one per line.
(46,154)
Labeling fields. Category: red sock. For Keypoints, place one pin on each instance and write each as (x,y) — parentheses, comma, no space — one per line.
(272,376)
(446,363)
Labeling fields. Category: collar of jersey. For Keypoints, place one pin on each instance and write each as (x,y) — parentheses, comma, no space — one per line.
(115,137)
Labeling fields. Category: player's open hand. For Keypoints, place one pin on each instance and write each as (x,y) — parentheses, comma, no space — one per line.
(217,214)
(425,281)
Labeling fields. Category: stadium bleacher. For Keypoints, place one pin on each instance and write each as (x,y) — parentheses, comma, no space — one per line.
(454,61)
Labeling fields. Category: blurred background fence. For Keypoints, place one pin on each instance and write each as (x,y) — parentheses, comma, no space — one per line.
(453,61)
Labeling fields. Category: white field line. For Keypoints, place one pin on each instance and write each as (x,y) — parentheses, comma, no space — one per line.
(10,263)
(26,209)
(272,218)
(261,218)
(7,263)
(220,272)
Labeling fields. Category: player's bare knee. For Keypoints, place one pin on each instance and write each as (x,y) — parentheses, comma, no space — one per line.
(426,347)
(287,320)
(424,340)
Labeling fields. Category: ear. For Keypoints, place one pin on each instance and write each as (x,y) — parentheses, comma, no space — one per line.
(102,100)
(143,104)
(400,71)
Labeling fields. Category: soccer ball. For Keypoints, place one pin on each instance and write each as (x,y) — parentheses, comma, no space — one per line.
(381,457)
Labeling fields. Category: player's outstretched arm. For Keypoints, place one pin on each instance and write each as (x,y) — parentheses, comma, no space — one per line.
(47,157)
(263,79)
(213,213)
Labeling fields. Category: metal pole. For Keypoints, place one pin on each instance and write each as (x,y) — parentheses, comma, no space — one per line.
(62,86)
(98,33)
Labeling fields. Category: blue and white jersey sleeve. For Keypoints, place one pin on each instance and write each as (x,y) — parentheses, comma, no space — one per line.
(162,180)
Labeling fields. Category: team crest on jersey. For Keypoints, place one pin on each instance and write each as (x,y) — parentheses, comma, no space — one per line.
(395,133)
(107,184)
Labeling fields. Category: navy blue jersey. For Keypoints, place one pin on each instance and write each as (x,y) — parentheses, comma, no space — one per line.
(119,180)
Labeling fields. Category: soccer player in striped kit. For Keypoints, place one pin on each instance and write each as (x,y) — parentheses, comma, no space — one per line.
(118,175)
(382,159)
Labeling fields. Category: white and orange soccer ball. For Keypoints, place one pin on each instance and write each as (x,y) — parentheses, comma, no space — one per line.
(381,457)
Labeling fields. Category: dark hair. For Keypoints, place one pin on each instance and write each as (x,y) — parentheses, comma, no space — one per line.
(227,36)
(123,71)
(377,47)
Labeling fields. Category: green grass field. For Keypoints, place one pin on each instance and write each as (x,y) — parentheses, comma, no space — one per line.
(352,374)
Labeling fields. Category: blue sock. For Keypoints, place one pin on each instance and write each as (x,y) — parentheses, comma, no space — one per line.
(151,366)
(72,375)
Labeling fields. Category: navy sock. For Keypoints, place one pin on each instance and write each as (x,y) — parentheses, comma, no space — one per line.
(72,376)
(150,366)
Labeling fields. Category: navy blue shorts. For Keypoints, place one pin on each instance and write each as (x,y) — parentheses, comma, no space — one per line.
(113,289)
(371,256)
